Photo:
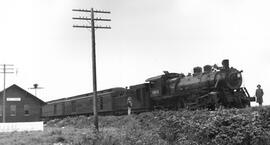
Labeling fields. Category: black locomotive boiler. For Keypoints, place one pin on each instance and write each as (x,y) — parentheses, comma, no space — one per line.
(210,87)
(213,87)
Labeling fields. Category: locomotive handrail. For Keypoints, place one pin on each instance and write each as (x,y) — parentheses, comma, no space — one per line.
(217,83)
(245,89)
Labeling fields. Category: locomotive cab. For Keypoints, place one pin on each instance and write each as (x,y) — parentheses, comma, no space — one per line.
(140,97)
(158,85)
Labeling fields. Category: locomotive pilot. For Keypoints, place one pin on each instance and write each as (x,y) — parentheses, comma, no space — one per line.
(259,95)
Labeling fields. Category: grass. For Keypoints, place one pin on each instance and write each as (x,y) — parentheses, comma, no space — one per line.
(233,126)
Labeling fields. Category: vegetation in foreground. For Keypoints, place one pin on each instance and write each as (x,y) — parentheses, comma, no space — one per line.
(250,126)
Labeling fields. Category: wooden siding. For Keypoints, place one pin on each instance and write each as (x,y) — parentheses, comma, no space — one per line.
(25,99)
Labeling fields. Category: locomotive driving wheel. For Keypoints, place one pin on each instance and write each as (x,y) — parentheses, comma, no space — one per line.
(209,101)
(180,103)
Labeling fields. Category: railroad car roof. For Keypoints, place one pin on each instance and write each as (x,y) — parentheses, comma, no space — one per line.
(86,95)
(138,86)
(154,78)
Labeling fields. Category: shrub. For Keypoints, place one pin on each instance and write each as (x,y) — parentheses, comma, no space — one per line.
(223,127)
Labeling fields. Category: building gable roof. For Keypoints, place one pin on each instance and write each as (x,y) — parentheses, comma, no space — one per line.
(17,87)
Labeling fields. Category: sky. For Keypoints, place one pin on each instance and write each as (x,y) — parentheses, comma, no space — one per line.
(147,37)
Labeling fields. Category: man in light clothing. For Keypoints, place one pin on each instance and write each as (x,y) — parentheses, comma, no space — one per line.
(129,103)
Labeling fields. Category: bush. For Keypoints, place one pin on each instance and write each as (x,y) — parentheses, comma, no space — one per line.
(250,126)
(223,127)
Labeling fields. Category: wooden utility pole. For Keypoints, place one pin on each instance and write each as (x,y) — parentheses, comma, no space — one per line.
(93,27)
(5,71)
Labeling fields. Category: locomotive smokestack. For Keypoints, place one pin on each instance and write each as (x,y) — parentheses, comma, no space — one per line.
(225,64)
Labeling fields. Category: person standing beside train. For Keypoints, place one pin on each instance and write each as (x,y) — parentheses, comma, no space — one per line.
(129,101)
(259,95)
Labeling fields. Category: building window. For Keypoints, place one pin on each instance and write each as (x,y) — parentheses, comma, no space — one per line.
(12,110)
(1,110)
(26,110)
(54,109)
(73,106)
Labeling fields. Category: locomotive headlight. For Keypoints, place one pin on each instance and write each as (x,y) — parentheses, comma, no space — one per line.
(238,75)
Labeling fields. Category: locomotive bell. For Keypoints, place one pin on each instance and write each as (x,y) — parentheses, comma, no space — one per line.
(225,63)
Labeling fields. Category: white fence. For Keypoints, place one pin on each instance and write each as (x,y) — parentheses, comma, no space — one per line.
(21,126)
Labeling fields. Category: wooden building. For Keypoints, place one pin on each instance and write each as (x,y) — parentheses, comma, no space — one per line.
(20,106)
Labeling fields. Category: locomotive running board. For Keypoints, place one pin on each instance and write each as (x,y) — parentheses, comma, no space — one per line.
(165,97)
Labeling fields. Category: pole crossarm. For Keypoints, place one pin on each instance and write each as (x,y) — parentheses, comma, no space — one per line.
(36,88)
(7,68)
(6,65)
(95,11)
(7,72)
(86,18)
(97,27)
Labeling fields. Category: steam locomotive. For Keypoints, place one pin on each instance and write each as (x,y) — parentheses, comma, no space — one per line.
(209,88)
(214,87)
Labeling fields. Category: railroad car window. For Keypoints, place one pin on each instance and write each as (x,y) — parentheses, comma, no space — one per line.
(101,103)
(138,94)
(0,110)
(73,106)
(63,107)
(26,110)
(143,92)
(12,110)
(155,92)
(54,108)
(121,93)
(143,96)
